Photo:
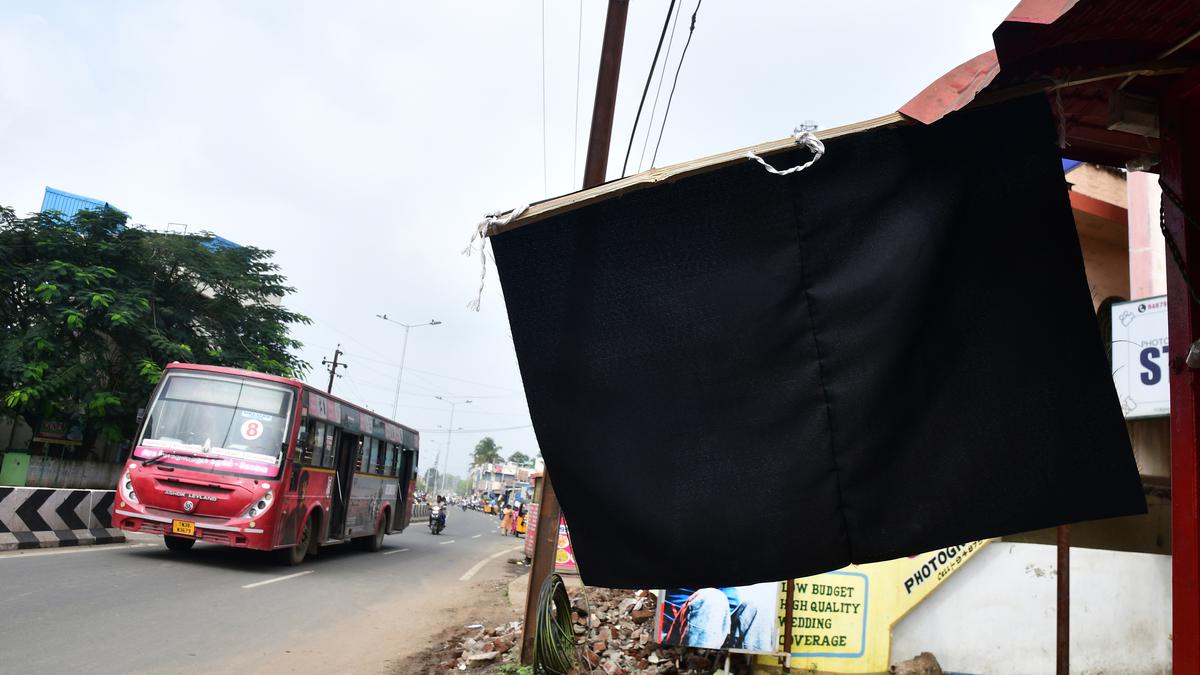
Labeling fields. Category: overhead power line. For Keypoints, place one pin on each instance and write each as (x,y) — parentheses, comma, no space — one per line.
(671,97)
(578,65)
(474,431)
(545,164)
(658,90)
(410,369)
(646,89)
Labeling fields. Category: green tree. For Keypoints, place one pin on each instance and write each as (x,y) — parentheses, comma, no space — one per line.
(91,310)
(521,459)
(486,452)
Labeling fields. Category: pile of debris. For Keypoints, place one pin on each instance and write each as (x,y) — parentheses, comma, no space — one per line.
(486,646)
(614,635)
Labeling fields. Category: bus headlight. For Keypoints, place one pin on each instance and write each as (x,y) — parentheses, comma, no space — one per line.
(127,488)
(259,507)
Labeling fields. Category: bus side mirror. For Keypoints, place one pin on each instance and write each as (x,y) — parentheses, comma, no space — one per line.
(141,415)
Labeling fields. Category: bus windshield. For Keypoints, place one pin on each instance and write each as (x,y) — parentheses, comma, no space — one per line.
(231,416)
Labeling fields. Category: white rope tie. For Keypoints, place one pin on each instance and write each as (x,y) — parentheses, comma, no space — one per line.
(482,231)
(1062,118)
(805,138)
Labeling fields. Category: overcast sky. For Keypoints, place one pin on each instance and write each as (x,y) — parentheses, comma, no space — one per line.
(362,141)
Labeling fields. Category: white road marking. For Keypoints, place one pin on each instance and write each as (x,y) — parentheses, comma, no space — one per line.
(479,565)
(283,578)
(36,553)
(443,543)
(399,550)
(477,536)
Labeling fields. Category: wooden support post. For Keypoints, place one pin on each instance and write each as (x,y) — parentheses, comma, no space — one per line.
(605,104)
(786,630)
(546,543)
(1180,123)
(1063,637)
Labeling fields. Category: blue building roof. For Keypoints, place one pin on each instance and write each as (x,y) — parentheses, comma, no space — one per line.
(69,204)
(219,243)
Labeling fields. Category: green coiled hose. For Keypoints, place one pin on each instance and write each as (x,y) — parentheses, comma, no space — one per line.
(554,638)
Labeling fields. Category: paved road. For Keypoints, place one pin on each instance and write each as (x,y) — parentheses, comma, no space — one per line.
(140,608)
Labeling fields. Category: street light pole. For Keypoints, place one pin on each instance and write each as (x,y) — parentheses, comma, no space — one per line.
(431,485)
(449,430)
(403,352)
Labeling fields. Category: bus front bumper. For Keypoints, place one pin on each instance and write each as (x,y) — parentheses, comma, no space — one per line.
(204,529)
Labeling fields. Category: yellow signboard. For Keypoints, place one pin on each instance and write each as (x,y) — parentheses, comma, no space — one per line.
(842,621)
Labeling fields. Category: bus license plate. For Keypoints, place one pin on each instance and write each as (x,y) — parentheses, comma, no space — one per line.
(183,527)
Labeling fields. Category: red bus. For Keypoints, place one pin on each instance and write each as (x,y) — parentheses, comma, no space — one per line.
(256,461)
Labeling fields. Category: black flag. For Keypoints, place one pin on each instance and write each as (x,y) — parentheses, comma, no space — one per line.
(740,377)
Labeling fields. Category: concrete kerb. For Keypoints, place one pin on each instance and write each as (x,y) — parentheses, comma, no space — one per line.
(518,588)
(49,518)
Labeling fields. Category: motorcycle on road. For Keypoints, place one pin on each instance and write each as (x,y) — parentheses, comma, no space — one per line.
(437,520)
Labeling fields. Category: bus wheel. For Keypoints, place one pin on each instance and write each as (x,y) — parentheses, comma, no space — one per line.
(178,543)
(294,555)
(375,542)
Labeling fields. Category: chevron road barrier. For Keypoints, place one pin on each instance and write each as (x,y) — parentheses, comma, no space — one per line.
(47,517)
(420,512)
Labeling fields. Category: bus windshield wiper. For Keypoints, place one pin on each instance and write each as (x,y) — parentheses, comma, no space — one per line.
(156,460)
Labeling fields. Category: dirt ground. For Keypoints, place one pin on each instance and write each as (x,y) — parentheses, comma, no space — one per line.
(488,605)
(491,619)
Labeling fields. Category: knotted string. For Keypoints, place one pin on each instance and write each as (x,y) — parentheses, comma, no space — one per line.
(805,138)
(482,231)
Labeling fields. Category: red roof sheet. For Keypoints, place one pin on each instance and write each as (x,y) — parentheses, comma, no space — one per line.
(1071,43)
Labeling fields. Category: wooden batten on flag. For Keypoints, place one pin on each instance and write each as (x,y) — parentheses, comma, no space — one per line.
(667,174)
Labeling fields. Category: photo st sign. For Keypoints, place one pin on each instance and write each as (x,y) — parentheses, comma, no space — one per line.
(1139,357)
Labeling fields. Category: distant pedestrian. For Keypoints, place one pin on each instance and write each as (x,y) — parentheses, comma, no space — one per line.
(505,519)
(516,517)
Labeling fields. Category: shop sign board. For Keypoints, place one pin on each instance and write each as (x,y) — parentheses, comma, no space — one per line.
(841,620)
(1139,357)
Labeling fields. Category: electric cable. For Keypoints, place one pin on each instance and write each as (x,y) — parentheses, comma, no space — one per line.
(578,66)
(554,637)
(658,91)
(671,97)
(645,90)
(1172,247)
(545,164)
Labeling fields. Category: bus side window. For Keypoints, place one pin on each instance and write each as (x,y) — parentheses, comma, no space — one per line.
(306,452)
(383,463)
(316,442)
(369,457)
(363,449)
(331,447)
(389,464)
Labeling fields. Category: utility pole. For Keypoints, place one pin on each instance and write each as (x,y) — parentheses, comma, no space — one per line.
(403,352)
(594,170)
(449,432)
(333,366)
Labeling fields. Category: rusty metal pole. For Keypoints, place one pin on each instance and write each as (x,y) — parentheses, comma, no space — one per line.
(605,104)
(789,599)
(1063,648)
(1180,123)
(603,109)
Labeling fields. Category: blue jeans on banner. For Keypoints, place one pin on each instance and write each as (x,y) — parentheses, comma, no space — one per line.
(728,618)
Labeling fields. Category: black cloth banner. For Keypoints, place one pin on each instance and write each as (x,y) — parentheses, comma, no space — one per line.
(739,377)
